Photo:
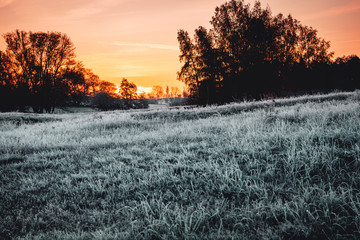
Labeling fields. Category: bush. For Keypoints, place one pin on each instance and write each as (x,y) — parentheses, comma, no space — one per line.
(7,99)
(104,101)
(179,101)
(141,103)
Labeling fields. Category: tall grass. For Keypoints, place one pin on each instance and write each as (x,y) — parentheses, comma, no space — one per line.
(289,171)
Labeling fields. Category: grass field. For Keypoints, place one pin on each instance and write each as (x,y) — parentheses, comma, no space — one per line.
(256,170)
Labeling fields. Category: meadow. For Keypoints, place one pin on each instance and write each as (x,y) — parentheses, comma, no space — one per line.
(287,169)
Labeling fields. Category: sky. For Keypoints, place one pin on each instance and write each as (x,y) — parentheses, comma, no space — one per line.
(137,39)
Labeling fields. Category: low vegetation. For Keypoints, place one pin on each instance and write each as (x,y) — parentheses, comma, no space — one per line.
(287,169)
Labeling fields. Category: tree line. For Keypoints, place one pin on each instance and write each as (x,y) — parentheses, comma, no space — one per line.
(249,53)
(39,70)
(158,92)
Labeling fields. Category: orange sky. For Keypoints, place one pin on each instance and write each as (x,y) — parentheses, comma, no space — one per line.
(137,39)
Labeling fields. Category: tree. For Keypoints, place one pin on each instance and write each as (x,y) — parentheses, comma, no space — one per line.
(167,92)
(8,98)
(157,91)
(175,92)
(247,40)
(39,70)
(151,95)
(248,52)
(108,88)
(185,93)
(128,90)
(76,80)
(189,72)
(38,61)
(142,95)
(346,72)
(207,65)
(92,83)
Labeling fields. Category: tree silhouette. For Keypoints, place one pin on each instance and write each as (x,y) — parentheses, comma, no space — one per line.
(346,72)
(8,98)
(189,72)
(39,70)
(108,87)
(128,90)
(38,60)
(207,64)
(77,83)
(248,53)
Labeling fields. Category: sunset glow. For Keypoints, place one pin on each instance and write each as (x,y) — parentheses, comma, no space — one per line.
(137,39)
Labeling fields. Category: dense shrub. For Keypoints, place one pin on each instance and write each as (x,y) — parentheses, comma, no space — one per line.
(104,101)
(179,101)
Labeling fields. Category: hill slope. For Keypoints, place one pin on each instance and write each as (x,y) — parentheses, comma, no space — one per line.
(278,171)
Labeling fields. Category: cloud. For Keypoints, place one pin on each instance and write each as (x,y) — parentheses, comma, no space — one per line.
(4,3)
(146,45)
(336,11)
